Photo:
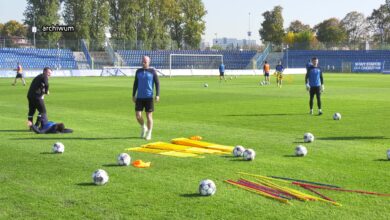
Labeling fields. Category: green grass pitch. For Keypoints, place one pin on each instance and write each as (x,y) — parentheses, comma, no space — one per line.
(351,153)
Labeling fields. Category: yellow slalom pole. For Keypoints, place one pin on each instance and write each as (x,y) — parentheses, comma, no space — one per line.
(265,177)
(259,192)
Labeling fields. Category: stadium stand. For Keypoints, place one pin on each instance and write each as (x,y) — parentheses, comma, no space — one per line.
(160,58)
(336,60)
(32,58)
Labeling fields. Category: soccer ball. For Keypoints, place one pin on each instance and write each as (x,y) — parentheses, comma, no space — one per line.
(206,85)
(308,137)
(388,154)
(336,116)
(261,83)
(249,154)
(238,151)
(207,188)
(58,148)
(300,151)
(100,177)
(124,159)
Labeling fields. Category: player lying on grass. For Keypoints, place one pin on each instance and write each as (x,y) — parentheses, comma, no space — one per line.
(51,128)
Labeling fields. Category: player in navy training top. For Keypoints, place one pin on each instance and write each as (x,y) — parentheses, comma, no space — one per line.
(222,72)
(279,74)
(314,83)
(144,80)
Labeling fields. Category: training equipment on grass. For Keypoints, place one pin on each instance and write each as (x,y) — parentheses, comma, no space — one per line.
(58,148)
(336,116)
(302,181)
(388,154)
(202,144)
(207,188)
(300,151)
(249,154)
(197,138)
(206,85)
(124,159)
(308,137)
(141,164)
(238,151)
(100,177)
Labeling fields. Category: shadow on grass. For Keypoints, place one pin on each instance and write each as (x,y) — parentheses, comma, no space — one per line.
(24,130)
(47,153)
(260,115)
(300,142)
(112,165)
(191,195)
(239,159)
(382,160)
(75,138)
(85,184)
(351,138)
(228,156)
(290,155)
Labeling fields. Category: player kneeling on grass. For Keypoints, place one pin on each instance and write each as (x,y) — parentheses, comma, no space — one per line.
(144,80)
(279,74)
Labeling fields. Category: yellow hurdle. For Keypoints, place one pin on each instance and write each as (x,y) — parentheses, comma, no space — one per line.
(202,144)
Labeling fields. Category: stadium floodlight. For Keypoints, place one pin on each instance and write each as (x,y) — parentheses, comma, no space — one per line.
(194,61)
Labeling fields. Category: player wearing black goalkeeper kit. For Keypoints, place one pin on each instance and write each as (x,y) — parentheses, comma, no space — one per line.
(314,84)
(38,88)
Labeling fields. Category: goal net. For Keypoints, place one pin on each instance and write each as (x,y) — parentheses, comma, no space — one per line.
(123,71)
(194,61)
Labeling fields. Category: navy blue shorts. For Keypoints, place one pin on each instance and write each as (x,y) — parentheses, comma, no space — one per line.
(147,104)
(19,75)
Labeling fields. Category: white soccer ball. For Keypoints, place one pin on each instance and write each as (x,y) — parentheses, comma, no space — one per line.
(300,151)
(238,151)
(308,137)
(206,85)
(58,148)
(336,116)
(249,154)
(388,154)
(261,83)
(124,159)
(207,188)
(100,177)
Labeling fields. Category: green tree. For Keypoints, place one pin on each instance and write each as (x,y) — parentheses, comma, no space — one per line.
(330,32)
(194,24)
(272,27)
(78,13)
(380,22)
(356,26)
(100,21)
(297,26)
(44,13)
(13,29)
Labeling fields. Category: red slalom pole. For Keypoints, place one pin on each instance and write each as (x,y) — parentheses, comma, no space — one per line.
(322,195)
(340,189)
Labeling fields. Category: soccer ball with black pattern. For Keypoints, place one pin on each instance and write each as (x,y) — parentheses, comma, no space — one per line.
(207,188)
(336,116)
(308,137)
(58,148)
(300,151)
(238,151)
(249,154)
(100,177)
(124,159)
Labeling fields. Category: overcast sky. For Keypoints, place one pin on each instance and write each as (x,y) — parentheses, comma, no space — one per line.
(230,18)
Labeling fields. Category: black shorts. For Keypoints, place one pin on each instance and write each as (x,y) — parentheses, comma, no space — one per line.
(148,104)
(221,74)
(266,74)
(19,75)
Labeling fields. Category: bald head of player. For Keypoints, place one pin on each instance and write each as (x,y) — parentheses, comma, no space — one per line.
(145,62)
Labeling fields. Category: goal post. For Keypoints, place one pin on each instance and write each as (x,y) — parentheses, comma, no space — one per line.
(194,61)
